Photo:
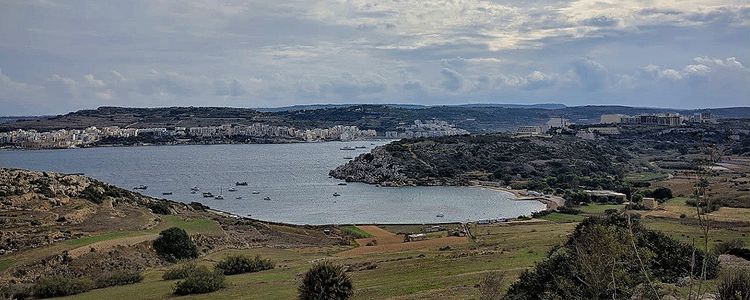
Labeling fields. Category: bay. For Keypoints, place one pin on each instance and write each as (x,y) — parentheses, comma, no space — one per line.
(293,176)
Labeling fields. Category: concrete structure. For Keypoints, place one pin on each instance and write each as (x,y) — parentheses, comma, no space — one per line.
(650,203)
(557,122)
(427,128)
(666,119)
(529,131)
(611,119)
(606,196)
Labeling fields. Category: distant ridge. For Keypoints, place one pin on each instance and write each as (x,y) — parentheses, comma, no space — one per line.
(408,106)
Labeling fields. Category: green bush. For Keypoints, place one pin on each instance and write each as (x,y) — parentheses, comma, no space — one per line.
(325,281)
(238,264)
(57,286)
(92,194)
(735,285)
(200,281)
(119,278)
(160,207)
(182,271)
(175,244)
(728,246)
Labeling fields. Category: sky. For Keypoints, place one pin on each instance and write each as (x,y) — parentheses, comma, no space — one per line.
(61,56)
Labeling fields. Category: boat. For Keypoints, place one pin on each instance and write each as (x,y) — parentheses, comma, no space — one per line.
(141,187)
(208,195)
(348,157)
(238,198)
(167,193)
(219,197)
(255,192)
(267,198)
(348,148)
(232,190)
(193,192)
(342,183)
(440,215)
(361,147)
(336,194)
(195,189)
(241,183)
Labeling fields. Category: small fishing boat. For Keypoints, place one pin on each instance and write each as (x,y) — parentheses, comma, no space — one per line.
(232,190)
(167,193)
(348,157)
(193,192)
(256,192)
(219,197)
(342,183)
(336,194)
(440,215)
(361,147)
(241,183)
(267,198)
(208,195)
(238,198)
(195,189)
(348,148)
(141,187)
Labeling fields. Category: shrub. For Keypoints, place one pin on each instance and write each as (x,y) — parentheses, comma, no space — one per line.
(325,281)
(568,210)
(57,286)
(92,194)
(610,211)
(489,287)
(160,207)
(182,271)
(238,264)
(119,278)
(728,246)
(200,281)
(662,194)
(175,244)
(735,285)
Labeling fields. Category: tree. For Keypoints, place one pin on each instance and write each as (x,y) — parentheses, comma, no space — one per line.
(662,194)
(175,244)
(326,281)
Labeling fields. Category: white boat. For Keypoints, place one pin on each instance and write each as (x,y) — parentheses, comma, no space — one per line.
(267,198)
(232,190)
(195,189)
(141,187)
(256,192)
(348,148)
(336,194)
(238,198)
(208,194)
(219,197)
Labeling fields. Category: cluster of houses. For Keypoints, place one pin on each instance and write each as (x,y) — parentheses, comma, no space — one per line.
(427,128)
(64,138)
(613,120)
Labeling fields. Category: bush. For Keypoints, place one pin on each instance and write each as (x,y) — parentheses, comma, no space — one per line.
(57,286)
(119,278)
(182,271)
(325,281)
(92,194)
(662,194)
(728,246)
(238,264)
(735,285)
(200,281)
(568,210)
(160,207)
(489,287)
(175,244)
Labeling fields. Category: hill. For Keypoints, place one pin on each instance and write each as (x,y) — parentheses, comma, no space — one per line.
(476,118)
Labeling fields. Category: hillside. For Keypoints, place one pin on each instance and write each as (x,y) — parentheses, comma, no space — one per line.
(459,159)
(58,224)
(476,118)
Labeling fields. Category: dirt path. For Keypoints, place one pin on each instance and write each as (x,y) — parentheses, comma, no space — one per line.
(103,245)
(389,242)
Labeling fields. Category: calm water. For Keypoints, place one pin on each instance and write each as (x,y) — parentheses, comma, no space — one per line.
(294,176)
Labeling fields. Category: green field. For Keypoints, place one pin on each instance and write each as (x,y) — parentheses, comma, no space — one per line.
(355,231)
(646,176)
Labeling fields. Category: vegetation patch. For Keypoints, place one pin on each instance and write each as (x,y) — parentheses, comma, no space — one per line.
(355,231)
(200,281)
(325,281)
(238,264)
(57,286)
(175,244)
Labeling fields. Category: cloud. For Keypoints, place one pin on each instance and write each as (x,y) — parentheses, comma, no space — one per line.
(590,74)
(231,88)
(452,80)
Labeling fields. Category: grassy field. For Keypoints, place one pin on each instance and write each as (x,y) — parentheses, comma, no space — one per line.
(646,176)
(5,264)
(355,231)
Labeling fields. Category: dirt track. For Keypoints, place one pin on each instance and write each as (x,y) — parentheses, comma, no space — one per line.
(103,245)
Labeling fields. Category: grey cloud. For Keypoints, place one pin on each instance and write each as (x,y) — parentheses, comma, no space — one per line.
(231,88)
(600,21)
(452,80)
(591,74)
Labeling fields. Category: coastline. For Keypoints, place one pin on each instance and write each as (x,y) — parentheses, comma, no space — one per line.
(552,202)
